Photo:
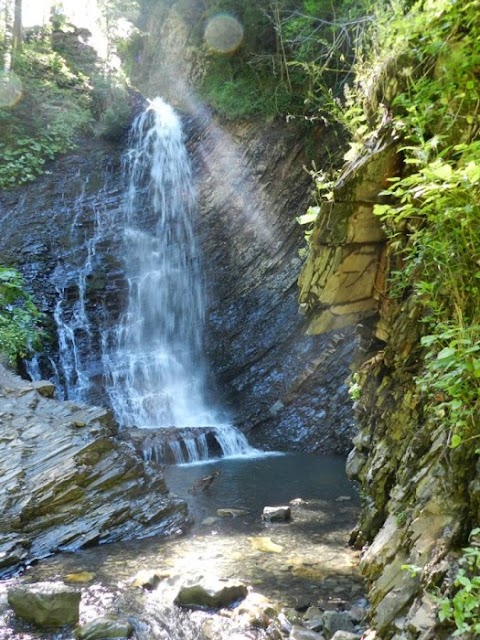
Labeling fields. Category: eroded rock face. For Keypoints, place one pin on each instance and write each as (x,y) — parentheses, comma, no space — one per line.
(415,491)
(285,388)
(67,482)
(342,280)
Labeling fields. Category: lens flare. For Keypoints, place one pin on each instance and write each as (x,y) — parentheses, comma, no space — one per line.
(10,89)
(224,33)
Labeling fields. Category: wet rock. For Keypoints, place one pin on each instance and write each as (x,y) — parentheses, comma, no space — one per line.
(44,388)
(80,577)
(148,579)
(265,544)
(46,604)
(210,595)
(103,629)
(230,513)
(313,619)
(334,621)
(345,635)
(276,514)
(256,611)
(300,633)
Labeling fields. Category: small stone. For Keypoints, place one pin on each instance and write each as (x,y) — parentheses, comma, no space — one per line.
(80,577)
(79,423)
(313,619)
(357,613)
(345,635)
(207,522)
(276,408)
(103,629)
(46,604)
(343,498)
(231,513)
(276,514)
(44,388)
(256,610)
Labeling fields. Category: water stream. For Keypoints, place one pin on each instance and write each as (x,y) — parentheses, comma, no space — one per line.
(311,564)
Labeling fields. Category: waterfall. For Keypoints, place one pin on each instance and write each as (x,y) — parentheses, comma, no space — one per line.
(153,360)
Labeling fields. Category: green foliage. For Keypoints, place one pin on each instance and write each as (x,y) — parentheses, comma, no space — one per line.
(65,92)
(53,110)
(462,607)
(434,208)
(295,57)
(246,95)
(19,317)
(111,106)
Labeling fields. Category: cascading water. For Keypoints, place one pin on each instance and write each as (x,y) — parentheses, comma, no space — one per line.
(153,360)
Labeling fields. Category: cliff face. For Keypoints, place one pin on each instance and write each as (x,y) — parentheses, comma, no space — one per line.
(252,185)
(420,495)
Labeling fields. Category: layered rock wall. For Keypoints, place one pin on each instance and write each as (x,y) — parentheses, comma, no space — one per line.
(419,496)
(67,481)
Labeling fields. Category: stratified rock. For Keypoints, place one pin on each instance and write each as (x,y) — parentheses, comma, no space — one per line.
(63,487)
(46,604)
(104,628)
(276,514)
(211,595)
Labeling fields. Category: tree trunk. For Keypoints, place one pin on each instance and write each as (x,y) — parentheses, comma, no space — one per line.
(7,36)
(17,27)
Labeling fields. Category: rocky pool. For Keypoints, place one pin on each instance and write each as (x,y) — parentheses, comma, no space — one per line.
(301,563)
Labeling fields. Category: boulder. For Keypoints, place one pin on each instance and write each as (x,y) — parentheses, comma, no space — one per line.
(313,619)
(334,621)
(276,514)
(103,629)
(211,595)
(300,633)
(46,604)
